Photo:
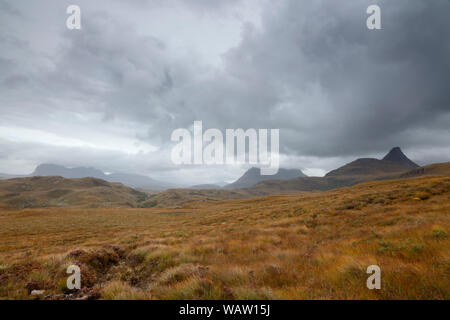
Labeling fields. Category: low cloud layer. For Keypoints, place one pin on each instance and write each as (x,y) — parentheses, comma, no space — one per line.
(110,95)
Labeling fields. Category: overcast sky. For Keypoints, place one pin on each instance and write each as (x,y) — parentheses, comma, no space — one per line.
(109,95)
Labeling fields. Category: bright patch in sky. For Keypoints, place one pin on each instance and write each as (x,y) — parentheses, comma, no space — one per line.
(121,144)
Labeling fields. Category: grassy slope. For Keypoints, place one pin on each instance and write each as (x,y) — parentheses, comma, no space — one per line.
(345,176)
(40,192)
(432,169)
(313,245)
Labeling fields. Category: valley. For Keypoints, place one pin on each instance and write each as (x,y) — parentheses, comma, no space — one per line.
(312,245)
(296,237)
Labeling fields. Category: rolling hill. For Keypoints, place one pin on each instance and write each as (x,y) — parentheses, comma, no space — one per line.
(44,192)
(437,169)
(368,168)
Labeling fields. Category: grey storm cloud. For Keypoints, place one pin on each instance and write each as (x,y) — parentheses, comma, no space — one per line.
(340,88)
(310,68)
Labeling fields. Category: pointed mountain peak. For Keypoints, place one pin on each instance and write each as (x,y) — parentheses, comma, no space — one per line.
(396,155)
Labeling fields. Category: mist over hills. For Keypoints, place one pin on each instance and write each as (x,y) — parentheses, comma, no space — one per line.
(251,177)
(48,169)
(41,191)
(206,186)
(363,169)
(360,170)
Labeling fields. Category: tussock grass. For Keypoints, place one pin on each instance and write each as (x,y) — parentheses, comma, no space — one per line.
(118,290)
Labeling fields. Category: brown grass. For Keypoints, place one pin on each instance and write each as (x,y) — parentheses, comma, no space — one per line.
(298,246)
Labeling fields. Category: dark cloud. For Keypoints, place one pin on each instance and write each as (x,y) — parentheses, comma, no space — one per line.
(344,89)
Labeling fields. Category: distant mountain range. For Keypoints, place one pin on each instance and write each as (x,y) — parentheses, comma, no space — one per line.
(254,176)
(391,166)
(46,169)
(37,191)
(250,177)
(363,169)
(130,180)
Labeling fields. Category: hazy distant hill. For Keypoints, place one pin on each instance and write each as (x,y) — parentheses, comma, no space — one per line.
(205,186)
(253,176)
(4,176)
(208,186)
(131,180)
(40,192)
(138,181)
(46,169)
